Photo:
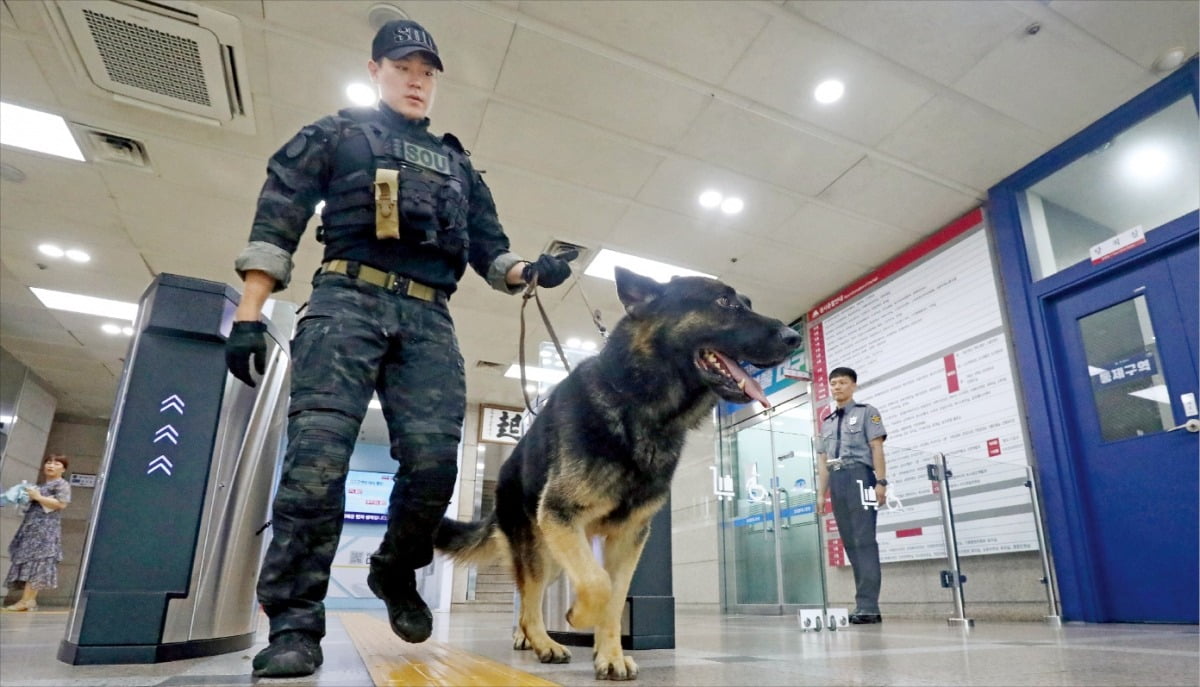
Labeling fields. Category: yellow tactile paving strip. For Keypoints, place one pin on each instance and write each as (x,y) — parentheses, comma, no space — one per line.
(393,662)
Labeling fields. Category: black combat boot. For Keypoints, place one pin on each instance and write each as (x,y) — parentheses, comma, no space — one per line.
(290,654)
(397,585)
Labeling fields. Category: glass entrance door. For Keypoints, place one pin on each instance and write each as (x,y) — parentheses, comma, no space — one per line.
(770,533)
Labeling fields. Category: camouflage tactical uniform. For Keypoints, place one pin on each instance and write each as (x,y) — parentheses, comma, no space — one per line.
(357,337)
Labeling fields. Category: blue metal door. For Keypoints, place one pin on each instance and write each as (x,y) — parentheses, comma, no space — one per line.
(1126,367)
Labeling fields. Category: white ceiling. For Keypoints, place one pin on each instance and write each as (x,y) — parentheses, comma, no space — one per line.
(598,123)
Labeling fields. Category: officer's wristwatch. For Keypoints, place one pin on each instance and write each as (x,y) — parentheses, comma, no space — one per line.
(882,482)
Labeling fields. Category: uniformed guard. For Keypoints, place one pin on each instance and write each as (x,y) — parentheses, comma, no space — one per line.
(851,466)
(405,214)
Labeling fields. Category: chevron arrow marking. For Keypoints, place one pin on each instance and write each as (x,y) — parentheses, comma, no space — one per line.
(166,432)
(160,463)
(172,402)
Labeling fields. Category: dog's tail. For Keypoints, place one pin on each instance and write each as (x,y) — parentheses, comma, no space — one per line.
(479,541)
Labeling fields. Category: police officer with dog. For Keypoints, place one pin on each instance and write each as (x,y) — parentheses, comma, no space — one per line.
(405,213)
(851,466)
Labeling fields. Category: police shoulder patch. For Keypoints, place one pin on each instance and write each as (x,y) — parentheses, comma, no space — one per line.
(876,419)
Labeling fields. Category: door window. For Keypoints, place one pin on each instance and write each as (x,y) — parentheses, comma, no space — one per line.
(1144,177)
(1128,386)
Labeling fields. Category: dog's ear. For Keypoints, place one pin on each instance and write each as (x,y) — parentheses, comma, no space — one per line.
(634,290)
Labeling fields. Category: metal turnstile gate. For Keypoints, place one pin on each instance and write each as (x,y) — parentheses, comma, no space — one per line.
(177,526)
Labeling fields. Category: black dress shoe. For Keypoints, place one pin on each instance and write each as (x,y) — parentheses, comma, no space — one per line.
(291,654)
(410,618)
(865,619)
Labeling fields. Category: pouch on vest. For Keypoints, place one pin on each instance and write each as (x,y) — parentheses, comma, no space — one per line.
(387,215)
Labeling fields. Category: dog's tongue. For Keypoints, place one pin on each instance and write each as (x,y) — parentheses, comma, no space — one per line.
(753,389)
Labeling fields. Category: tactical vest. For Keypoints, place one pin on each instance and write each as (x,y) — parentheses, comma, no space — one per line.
(426,201)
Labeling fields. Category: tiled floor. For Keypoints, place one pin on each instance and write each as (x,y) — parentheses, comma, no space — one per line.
(711,650)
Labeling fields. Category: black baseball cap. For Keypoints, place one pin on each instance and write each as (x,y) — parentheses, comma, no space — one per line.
(403,37)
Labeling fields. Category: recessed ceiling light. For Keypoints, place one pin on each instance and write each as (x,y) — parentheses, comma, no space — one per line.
(710,199)
(361,94)
(606,260)
(51,250)
(110,328)
(21,127)
(76,255)
(829,91)
(88,305)
(732,206)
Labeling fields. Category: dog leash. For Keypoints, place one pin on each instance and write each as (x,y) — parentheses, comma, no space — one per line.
(531,292)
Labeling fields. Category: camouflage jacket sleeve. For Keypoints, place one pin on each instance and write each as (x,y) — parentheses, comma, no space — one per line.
(297,175)
(489,252)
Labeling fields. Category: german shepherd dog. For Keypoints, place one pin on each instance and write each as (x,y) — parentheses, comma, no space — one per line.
(599,458)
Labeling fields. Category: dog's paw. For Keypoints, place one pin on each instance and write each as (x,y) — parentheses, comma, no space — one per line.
(553,652)
(615,666)
(520,641)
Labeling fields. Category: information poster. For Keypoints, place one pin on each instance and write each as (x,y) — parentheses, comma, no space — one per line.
(367,495)
(925,335)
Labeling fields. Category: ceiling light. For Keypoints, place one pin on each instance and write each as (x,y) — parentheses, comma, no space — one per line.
(88,305)
(589,345)
(361,94)
(127,331)
(51,250)
(574,342)
(829,91)
(21,127)
(531,388)
(536,374)
(76,255)
(732,206)
(110,328)
(604,262)
(710,199)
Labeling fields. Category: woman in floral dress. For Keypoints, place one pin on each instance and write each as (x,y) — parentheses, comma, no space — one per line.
(36,548)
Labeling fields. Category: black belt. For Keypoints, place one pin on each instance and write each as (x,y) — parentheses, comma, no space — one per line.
(834,464)
(396,283)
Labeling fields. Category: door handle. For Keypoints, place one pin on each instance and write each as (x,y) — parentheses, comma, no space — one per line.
(1192,425)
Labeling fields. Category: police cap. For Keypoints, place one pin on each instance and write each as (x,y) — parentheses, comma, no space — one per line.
(402,37)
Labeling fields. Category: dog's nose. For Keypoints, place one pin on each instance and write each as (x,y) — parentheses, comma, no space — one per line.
(790,336)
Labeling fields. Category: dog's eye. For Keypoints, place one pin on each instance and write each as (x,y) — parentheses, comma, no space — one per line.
(731,302)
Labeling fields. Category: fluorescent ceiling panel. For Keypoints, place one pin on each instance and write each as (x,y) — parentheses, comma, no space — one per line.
(606,260)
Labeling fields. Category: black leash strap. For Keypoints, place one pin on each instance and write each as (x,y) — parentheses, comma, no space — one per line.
(531,292)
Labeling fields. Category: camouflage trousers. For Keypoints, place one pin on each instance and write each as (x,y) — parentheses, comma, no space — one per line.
(356,338)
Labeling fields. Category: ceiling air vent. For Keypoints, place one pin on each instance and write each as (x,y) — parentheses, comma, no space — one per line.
(109,147)
(178,58)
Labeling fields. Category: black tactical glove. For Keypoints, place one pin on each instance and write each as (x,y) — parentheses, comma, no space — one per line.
(551,270)
(246,340)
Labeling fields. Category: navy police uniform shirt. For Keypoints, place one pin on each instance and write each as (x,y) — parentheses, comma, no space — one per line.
(860,423)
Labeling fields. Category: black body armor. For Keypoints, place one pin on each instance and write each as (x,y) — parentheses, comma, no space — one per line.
(426,201)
